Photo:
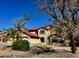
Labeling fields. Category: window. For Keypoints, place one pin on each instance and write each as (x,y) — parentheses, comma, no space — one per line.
(42,31)
(54,41)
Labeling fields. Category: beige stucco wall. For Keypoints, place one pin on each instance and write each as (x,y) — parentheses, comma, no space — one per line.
(45,35)
(24,35)
(32,41)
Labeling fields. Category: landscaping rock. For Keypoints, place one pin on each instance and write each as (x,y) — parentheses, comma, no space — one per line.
(39,50)
(36,51)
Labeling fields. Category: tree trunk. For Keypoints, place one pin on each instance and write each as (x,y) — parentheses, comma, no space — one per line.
(73,47)
(17,37)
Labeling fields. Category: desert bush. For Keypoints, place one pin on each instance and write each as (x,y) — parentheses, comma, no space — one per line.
(20,45)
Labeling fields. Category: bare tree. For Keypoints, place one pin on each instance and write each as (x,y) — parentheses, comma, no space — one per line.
(65,14)
(20,24)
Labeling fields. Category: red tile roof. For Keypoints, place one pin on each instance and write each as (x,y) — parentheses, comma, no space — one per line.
(34,29)
(29,33)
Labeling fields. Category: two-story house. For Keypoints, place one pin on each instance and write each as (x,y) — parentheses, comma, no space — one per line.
(46,35)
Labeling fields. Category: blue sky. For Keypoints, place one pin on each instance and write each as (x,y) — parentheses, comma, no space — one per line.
(11,9)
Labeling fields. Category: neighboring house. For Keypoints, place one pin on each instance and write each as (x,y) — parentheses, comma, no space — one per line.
(2,36)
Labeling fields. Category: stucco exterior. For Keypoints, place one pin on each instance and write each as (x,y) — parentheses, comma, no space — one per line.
(41,35)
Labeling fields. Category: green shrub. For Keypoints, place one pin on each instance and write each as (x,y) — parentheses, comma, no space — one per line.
(20,45)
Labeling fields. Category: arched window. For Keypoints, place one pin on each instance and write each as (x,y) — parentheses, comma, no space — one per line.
(42,39)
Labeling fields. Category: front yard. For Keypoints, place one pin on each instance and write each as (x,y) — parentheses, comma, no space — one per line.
(61,52)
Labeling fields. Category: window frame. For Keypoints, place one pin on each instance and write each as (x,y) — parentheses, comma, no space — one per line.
(42,31)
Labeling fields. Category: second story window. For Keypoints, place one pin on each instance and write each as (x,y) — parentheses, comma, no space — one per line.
(42,32)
